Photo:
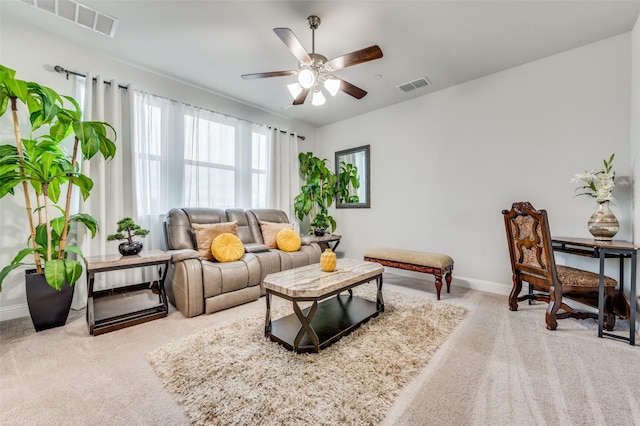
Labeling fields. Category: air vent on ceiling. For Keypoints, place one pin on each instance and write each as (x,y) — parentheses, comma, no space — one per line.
(415,84)
(78,13)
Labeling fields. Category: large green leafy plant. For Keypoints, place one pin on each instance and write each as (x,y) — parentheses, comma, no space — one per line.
(317,193)
(42,166)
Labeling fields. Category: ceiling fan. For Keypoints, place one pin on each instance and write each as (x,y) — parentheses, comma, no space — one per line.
(314,70)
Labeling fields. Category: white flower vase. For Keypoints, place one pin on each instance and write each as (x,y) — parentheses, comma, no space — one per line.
(603,224)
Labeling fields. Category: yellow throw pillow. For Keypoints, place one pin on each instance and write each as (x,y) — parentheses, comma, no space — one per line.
(288,240)
(206,232)
(270,232)
(227,248)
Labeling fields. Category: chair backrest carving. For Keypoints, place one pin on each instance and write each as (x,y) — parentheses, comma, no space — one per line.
(529,242)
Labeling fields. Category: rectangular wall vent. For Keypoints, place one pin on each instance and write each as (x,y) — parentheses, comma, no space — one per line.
(415,84)
(81,14)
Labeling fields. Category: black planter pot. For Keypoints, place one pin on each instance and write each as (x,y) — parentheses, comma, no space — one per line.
(130,249)
(48,307)
(319,232)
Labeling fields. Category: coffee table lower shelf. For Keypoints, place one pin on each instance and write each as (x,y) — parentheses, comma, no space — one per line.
(336,317)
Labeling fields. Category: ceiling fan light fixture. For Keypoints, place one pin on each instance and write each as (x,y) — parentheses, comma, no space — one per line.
(294,89)
(317,98)
(314,72)
(306,78)
(332,85)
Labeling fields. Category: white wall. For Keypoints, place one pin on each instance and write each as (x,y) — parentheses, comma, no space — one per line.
(443,165)
(33,54)
(446,164)
(635,131)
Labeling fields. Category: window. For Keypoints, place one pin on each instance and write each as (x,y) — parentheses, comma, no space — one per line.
(209,163)
(259,160)
(191,157)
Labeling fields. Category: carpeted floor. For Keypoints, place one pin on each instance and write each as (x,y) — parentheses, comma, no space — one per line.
(234,376)
(497,367)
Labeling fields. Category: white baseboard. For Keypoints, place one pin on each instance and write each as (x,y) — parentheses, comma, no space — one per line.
(488,286)
(472,283)
(14,311)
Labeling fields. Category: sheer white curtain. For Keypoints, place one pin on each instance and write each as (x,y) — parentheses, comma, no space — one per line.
(187,156)
(158,145)
(112,196)
(284,181)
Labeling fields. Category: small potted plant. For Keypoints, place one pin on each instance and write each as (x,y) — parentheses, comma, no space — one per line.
(130,229)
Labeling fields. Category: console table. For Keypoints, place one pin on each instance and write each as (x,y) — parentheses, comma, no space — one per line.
(116,308)
(601,250)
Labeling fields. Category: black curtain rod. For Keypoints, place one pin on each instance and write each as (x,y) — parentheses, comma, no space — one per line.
(62,70)
(284,132)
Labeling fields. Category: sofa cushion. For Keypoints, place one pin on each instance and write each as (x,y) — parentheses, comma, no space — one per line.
(288,240)
(206,232)
(294,259)
(227,247)
(244,231)
(270,232)
(254,216)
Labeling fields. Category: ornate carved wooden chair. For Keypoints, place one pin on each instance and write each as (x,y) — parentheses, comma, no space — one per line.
(532,260)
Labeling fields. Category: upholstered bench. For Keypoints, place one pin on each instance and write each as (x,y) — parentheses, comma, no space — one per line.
(440,265)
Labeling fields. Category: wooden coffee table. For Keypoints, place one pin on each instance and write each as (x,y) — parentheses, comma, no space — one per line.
(331,314)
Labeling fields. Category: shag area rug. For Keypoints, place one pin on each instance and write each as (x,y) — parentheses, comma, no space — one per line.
(235,376)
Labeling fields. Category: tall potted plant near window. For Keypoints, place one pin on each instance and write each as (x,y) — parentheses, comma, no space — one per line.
(43,169)
(316,194)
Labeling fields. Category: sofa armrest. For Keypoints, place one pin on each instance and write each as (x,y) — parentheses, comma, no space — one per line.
(184,254)
(184,282)
(255,247)
(307,239)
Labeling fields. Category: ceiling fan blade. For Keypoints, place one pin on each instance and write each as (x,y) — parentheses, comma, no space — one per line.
(352,90)
(354,58)
(268,74)
(302,96)
(291,41)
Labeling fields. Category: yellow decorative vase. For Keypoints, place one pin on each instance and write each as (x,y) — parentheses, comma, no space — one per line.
(328,260)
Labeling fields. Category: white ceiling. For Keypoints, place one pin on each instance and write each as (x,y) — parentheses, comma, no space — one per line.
(209,44)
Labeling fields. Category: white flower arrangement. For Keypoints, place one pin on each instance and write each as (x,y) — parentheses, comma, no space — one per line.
(599,183)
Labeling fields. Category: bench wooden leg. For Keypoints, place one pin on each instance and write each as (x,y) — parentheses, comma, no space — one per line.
(448,277)
(438,284)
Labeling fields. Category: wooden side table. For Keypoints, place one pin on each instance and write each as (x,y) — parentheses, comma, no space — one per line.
(116,308)
(325,241)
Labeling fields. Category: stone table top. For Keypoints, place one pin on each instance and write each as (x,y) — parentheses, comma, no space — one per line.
(312,281)
(116,260)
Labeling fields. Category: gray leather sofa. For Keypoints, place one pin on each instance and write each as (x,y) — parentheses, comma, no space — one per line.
(196,286)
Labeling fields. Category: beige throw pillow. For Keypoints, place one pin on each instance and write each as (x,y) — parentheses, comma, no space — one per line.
(206,232)
(270,232)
